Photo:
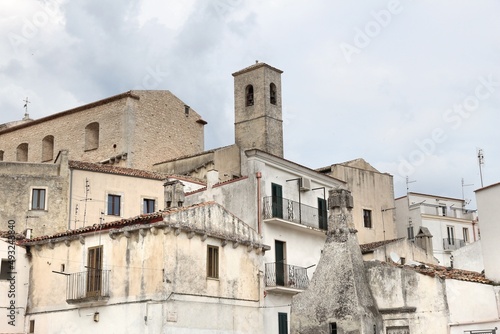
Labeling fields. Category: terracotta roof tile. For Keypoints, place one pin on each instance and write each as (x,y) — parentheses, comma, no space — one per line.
(141,219)
(433,270)
(367,248)
(94,167)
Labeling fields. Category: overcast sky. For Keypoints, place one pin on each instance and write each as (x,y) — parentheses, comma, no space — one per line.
(412,87)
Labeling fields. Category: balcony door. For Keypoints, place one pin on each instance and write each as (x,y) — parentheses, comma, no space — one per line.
(277,200)
(322,214)
(279,253)
(451,235)
(94,271)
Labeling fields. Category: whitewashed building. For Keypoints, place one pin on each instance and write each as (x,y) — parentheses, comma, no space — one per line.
(451,225)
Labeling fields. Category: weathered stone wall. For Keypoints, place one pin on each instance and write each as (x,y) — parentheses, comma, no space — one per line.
(148,126)
(17,179)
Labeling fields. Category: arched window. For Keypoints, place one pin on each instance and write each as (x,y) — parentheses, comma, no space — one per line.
(272,93)
(92,136)
(1,155)
(249,95)
(47,148)
(22,152)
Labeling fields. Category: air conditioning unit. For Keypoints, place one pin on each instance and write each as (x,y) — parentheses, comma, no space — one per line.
(305,184)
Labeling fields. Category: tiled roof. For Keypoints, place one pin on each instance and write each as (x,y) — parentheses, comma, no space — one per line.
(370,247)
(141,219)
(433,270)
(93,167)
(6,235)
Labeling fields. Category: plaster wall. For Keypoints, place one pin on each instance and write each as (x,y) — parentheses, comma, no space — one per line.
(469,257)
(472,305)
(374,191)
(14,292)
(398,288)
(487,205)
(402,248)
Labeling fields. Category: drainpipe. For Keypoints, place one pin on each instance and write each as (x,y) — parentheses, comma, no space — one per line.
(259,223)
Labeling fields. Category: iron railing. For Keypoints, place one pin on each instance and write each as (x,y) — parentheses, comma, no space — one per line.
(277,207)
(452,244)
(92,284)
(286,275)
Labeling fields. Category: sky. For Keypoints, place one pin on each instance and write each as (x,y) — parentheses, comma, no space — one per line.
(412,87)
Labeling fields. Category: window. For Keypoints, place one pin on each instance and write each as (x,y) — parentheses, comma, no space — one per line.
(92,136)
(282,323)
(333,328)
(94,271)
(272,93)
(249,95)
(114,205)
(32,326)
(451,235)
(367,218)
(6,269)
(22,152)
(411,235)
(38,199)
(465,231)
(212,261)
(47,148)
(322,214)
(442,210)
(277,200)
(1,155)
(148,205)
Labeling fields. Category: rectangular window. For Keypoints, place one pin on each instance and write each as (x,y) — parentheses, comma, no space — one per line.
(212,261)
(367,218)
(282,323)
(6,269)
(38,199)
(451,235)
(148,205)
(322,214)
(94,271)
(114,205)
(333,328)
(32,326)
(411,235)
(442,209)
(466,234)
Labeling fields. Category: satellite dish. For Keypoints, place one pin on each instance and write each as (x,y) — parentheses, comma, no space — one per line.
(394,257)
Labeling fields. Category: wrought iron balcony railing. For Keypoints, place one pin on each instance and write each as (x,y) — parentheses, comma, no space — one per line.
(452,244)
(278,207)
(89,285)
(286,275)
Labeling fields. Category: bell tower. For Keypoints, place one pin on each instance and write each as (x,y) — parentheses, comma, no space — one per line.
(257,109)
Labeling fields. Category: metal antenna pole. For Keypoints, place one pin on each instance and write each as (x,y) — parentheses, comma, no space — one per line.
(480,159)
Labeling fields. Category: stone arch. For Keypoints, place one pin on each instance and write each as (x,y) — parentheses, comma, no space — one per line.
(48,148)
(22,152)
(92,136)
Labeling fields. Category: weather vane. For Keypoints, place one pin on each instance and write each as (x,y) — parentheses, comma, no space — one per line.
(26,115)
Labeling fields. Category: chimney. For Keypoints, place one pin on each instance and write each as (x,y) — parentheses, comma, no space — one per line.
(174,194)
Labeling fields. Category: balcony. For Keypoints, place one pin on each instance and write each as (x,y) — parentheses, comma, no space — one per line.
(286,278)
(452,244)
(86,286)
(282,208)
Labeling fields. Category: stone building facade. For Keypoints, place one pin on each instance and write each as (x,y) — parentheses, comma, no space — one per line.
(121,130)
